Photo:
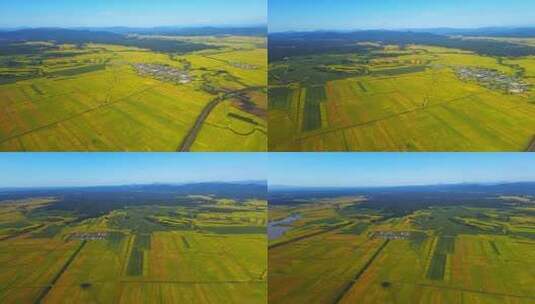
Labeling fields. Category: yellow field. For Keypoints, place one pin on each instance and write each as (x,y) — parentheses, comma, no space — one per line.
(144,257)
(106,105)
(329,256)
(411,102)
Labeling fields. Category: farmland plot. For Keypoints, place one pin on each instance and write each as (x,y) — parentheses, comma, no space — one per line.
(333,254)
(412,101)
(212,251)
(98,100)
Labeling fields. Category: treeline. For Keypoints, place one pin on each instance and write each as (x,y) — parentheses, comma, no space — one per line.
(11,48)
(186,31)
(259,31)
(399,204)
(10,41)
(404,200)
(521,32)
(283,45)
(96,201)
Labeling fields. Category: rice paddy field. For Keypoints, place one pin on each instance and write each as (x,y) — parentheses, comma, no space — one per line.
(454,254)
(94,98)
(399,99)
(211,252)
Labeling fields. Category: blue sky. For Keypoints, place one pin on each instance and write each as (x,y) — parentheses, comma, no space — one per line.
(285,15)
(90,169)
(391,169)
(134,13)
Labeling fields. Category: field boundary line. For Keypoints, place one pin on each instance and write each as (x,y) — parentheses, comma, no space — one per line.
(373,121)
(235,259)
(361,272)
(499,294)
(191,136)
(253,131)
(306,236)
(20,233)
(47,289)
(82,113)
(531,147)
(128,252)
(193,282)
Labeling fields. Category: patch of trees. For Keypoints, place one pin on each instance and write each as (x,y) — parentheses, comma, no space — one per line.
(282,48)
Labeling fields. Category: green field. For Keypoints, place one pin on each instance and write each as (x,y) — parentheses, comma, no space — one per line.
(332,254)
(206,250)
(399,99)
(91,97)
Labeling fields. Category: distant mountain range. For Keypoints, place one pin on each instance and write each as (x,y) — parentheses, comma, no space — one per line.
(461,187)
(95,201)
(293,44)
(154,187)
(405,199)
(188,31)
(59,35)
(9,40)
(149,192)
(520,32)
(25,33)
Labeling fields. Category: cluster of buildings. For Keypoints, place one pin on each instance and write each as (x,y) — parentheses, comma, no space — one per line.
(390,235)
(163,72)
(88,236)
(493,79)
(244,66)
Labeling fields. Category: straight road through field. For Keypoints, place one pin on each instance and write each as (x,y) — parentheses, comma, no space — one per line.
(58,275)
(190,138)
(531,147)
(361,272)
(306,236)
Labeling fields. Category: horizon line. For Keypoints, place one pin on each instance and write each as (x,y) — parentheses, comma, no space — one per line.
(250,181)
(488,183)
(400,29)
(183,26)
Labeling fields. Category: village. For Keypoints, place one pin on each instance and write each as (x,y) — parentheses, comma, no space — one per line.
(390,235)
(493,79)
(88,236)
(163,72)
(243,66)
